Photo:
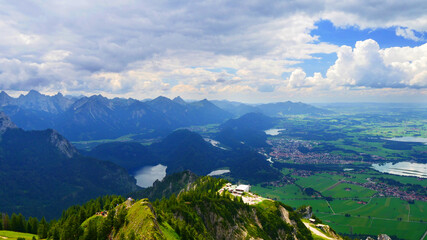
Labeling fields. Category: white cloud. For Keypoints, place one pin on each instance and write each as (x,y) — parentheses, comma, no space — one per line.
(407,33)
(142,48)
(368,66)
(377,14)
(363,66)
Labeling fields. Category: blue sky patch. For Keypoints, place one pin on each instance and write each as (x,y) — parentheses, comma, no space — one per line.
(320,63)
(386,37)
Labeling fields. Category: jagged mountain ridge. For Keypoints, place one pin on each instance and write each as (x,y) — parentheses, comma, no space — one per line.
(41,173)
(97,117)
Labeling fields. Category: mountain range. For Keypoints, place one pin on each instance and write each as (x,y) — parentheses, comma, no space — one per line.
(182,150)
(41,173)
(97,117)
(278,109)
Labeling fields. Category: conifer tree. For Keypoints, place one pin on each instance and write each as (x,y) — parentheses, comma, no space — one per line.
(91,233)
(104,229)
(43,229)
(32,225)
(5,220)
(18,223)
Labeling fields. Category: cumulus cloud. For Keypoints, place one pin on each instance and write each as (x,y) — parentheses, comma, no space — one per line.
(364,66)
(368,66)
(152,48)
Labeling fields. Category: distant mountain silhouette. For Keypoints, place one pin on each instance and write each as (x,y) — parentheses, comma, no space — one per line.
(278,109)
(97,117)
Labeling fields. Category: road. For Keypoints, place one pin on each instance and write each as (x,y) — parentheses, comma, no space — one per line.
(422,238)
(316,231)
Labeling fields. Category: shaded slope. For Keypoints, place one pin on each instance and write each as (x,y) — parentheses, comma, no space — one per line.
(186,150)
(171,184)
(246,131)
(41,173)
(130,155)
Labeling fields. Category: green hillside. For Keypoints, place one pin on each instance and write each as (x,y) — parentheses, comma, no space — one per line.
(200,212)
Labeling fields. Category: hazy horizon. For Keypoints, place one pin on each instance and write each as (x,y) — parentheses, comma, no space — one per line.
(18,94)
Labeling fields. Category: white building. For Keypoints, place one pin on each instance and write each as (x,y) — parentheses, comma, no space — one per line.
(243,188)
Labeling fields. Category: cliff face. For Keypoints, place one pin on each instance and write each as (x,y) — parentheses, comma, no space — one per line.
(5,123)
(62,144)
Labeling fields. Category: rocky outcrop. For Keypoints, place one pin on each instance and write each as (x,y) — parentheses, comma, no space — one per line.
(380,237)
(306,212)
(383,237)
(62,144)
(327,229)
(5,123)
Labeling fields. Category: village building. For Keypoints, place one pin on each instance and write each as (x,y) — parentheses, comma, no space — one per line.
(242,188)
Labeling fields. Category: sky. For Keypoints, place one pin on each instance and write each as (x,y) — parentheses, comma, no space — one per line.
(250,51)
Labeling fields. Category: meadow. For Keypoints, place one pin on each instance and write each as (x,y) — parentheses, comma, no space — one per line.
(355,211)
(10,235)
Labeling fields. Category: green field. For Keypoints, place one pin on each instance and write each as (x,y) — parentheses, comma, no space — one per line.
(346,190)
(14,235)
(351,134)
(355,210)
(418,211)
(280,193)
(317,205)
(343,206)
(319,182)
(374,226)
